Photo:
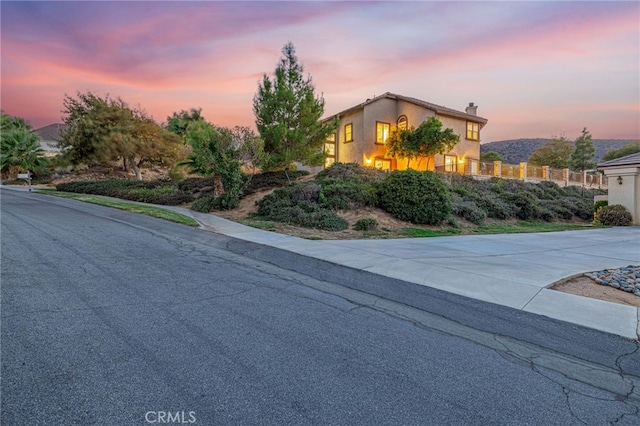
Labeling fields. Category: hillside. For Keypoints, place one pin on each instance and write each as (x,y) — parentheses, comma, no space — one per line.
(514,151)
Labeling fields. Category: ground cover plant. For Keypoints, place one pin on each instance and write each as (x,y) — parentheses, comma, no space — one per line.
(352,200)
(152,211)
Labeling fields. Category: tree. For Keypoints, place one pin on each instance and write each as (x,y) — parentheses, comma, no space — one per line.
(490,157)
(554,154)
(426,141)
(584,152)
(623,151)
(288,116)
(216,152)
(105,130)
(20,148)
(179,121)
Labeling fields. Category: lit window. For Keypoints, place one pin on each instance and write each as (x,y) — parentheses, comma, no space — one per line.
(331,138)
(450,163)
(382,164)
(330,149)
(473,131)
(348,133)
(402,122)
(382,132)
(329,161)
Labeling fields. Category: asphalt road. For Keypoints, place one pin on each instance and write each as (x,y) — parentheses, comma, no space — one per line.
(114,318)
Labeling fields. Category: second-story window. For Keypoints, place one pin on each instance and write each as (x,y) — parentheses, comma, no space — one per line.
(402,122)
(473,131)
(382,132)
(348,133)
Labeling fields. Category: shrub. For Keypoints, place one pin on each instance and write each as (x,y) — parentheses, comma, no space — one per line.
(348,195)
(469,211)
(558,208)
(281,207)
(366,224)
(309,191)
(526,206)
(598,204)
(615,215)
(418,197)
(270,180)
(212,203)
(492,205)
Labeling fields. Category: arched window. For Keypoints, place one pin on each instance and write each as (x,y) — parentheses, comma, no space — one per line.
(402,122)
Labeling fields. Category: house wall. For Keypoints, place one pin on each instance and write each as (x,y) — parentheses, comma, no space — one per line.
(465,149)
(627,194)
(389,110)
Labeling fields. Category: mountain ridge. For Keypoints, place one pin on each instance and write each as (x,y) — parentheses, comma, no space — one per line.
(515,151)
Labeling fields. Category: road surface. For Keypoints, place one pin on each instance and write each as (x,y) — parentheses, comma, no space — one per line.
(115,318)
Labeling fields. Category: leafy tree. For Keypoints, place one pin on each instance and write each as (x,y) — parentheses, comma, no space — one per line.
(105,130)
(426,141)
(584,152)
(623,151)
(490,156)
(216,152)
(554,154)
(397,145)
(179,121)
(288,116)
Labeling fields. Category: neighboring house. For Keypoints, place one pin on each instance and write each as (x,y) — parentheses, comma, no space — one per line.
(623,175)
(363,130)
(49,138)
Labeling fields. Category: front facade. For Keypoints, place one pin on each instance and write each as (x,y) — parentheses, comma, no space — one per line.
(623,175)
(363,130)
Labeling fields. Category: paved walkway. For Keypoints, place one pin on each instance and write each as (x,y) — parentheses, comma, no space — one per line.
(508,269)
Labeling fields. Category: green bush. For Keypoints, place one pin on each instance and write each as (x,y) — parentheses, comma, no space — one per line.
(281,207)
(469,211)
(615,215)
(366,224)
(598,204)
(348,195)
(493,206)
(526,206)
(212,203)
(267,180)
(418,197)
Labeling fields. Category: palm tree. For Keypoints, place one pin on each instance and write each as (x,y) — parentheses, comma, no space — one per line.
(20,150)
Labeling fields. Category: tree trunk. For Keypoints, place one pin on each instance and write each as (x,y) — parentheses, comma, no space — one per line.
(218,187)
(135,168)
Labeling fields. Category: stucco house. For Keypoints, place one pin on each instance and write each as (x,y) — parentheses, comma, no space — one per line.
(624,183)
(364,128)
(49,138)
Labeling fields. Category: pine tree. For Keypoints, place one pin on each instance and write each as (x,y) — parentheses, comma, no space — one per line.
(584,152)
(288,116)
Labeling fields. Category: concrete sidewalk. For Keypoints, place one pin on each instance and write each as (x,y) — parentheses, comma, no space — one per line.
(509,269)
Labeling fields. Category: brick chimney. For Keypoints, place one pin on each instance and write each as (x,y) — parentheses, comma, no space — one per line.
(472,109)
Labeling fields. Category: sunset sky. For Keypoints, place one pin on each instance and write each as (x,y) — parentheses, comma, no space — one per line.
(535,69)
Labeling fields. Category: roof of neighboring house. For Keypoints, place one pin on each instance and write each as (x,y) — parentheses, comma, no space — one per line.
(627,160)
(50,132)
(438,109)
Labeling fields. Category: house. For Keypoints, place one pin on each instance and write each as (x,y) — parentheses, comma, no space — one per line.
(623,175)
(50,138)
(363,129)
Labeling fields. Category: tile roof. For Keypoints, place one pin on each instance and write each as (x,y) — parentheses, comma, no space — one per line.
(439,109)
(627,160)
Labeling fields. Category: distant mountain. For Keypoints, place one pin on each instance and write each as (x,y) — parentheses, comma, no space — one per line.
(514,151)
